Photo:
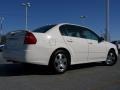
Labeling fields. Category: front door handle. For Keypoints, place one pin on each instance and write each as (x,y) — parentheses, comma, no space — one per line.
(90,43)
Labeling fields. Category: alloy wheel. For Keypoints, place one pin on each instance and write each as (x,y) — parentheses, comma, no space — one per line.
(60,62)
(111,59)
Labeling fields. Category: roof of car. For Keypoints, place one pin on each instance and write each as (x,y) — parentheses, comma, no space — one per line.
(72,24)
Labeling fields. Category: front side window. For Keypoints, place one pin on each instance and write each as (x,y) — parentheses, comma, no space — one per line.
(88,34)
(70,30)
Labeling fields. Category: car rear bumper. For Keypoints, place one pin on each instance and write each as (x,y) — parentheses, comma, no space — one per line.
(27,56)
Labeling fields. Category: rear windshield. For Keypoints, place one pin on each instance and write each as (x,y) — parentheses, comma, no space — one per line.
(43,29)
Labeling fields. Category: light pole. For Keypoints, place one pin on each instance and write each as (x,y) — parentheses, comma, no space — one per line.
(27,5)
(82,17)
(107,32)
(1,25)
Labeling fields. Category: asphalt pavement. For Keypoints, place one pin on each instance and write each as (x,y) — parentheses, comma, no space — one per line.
(79,77)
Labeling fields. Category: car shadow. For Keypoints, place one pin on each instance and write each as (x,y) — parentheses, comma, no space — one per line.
(23,69)
(29,69)
(84,66)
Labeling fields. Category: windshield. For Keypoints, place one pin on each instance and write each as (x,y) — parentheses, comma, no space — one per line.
(43,29)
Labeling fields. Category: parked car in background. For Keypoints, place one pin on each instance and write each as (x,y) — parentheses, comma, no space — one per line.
(59,46)
(1,47)
(117,43)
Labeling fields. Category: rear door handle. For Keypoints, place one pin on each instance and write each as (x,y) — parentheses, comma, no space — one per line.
(69,41)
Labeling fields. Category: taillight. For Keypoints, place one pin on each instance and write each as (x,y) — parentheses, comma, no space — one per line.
(30,38)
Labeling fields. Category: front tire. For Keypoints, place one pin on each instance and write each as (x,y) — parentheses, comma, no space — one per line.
(59,61)
(111,58)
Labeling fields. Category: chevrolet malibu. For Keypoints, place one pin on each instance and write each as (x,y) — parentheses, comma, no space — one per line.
(59,46)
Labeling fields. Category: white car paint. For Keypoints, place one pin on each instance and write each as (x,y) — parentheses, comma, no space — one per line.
(81,50)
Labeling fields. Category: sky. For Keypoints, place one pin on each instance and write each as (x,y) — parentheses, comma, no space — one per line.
(43,12)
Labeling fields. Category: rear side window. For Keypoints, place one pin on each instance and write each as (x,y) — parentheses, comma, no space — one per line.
(44,29)
(70,30)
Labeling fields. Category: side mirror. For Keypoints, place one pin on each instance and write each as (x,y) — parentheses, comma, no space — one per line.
(101,39)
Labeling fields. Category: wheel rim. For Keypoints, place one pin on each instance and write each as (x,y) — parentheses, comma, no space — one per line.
(111,58)
(60,62)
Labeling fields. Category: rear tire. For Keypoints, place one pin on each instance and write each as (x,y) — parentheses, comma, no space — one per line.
(111,58)
(59,61)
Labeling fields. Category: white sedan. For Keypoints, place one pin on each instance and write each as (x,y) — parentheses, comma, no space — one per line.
(59,46)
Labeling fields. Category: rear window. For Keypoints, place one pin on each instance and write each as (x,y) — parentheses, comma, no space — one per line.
(44,29)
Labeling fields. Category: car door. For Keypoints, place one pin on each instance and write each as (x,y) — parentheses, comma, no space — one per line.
(71,35)
(97,50)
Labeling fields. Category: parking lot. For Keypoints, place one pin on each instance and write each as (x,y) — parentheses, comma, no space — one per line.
(79,77)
